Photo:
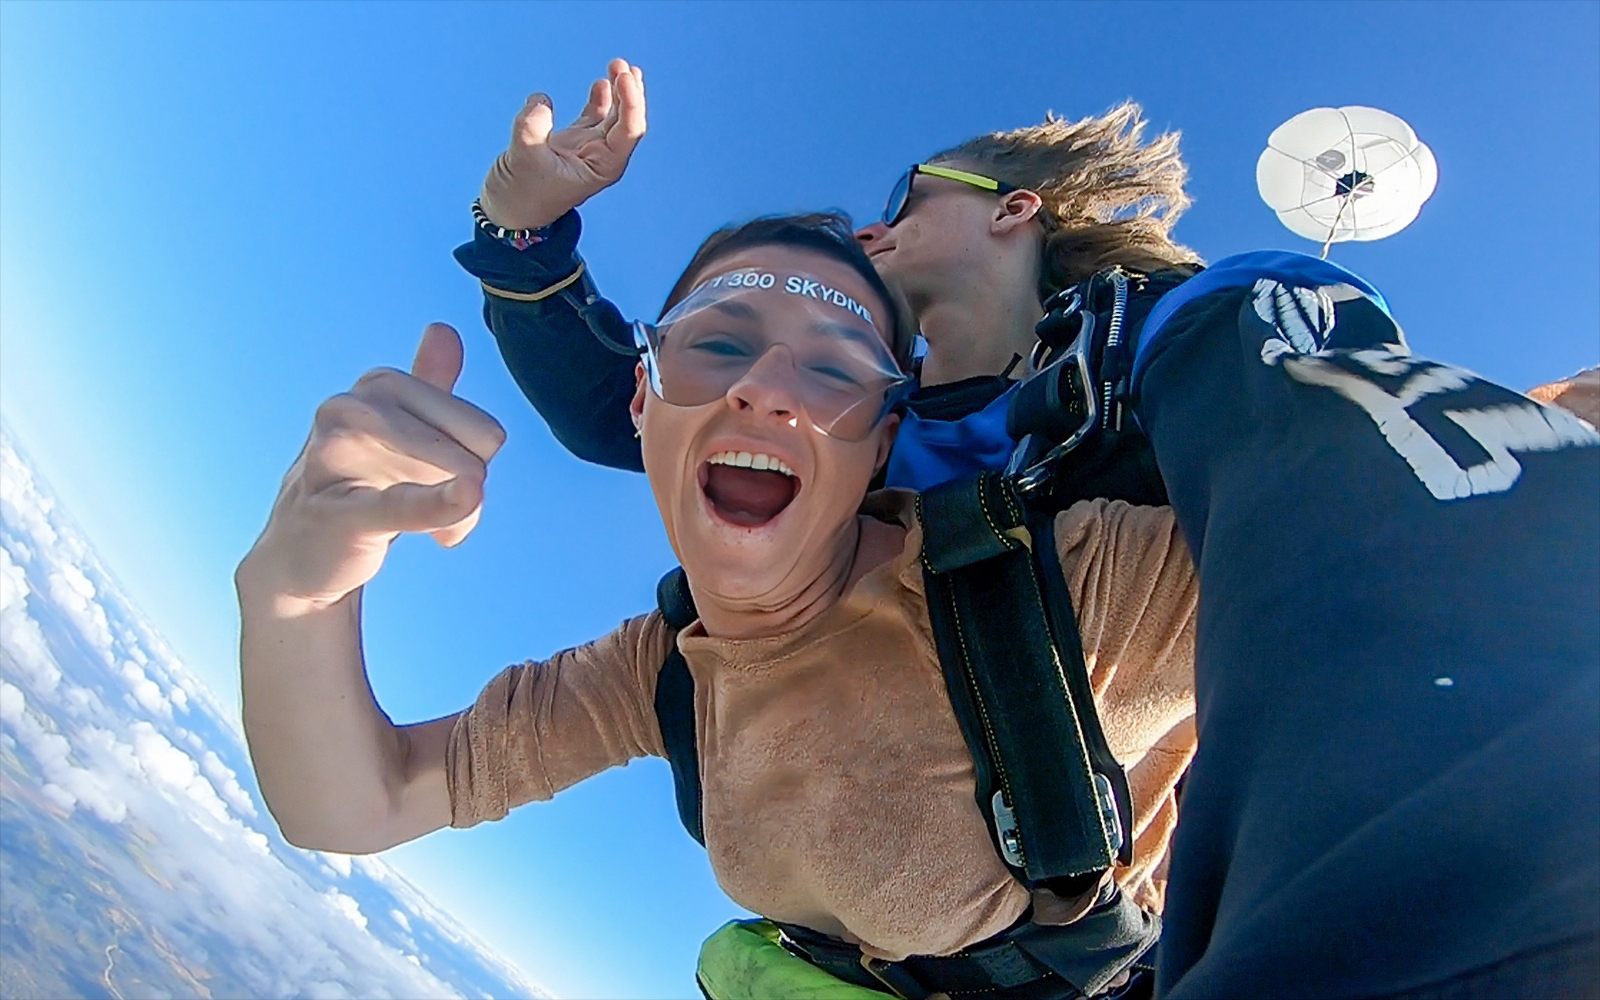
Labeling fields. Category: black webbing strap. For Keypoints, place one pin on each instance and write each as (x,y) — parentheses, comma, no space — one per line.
(675,704)
(1009,664)
(1075,670)
(602,318)
(994,969)
(1029,961)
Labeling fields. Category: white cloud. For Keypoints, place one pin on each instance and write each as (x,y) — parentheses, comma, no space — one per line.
(13,580)
(145,692)
(346,907)
(227,783)
(74,595)
(113,759)
(77,589)
(62,799)
(23,650)
(66,784)
(21,506)
(26,654)
(12,703)
(177,770)
(83,703)
(23,553)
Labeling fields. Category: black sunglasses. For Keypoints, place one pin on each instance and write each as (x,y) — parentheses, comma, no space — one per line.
(900,195)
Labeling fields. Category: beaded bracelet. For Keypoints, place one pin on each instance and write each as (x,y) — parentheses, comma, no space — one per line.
(522,239)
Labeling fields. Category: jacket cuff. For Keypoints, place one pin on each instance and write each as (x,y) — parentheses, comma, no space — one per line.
(529,274)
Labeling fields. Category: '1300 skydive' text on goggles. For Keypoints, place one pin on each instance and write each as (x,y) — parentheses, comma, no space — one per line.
(817,339)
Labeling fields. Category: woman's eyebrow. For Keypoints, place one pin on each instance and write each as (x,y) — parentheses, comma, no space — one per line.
(737,309)
(842,331)
(845,331)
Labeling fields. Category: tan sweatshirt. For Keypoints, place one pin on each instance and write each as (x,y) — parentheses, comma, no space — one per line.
(838,791)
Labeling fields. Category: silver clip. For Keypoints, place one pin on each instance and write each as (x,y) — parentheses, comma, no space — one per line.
(1109,817)
(1005,824)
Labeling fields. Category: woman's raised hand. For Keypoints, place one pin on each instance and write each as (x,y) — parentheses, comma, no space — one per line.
(544,174)
(398,452)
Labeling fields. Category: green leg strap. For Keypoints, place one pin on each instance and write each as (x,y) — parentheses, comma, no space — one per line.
(744,961)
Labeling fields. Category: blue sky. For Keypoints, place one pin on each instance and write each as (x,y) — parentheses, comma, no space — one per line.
(214,216)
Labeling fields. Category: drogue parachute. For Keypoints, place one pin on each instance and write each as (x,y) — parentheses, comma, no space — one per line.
(1337,174)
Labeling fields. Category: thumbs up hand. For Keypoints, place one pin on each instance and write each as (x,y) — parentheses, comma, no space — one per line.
(398,452)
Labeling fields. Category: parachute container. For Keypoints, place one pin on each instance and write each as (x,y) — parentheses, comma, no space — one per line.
(1337,174)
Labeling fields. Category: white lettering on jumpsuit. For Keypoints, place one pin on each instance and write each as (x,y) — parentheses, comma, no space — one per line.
(1500,430)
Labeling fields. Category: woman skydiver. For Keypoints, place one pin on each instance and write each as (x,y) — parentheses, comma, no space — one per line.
(1321,769)
(838,790)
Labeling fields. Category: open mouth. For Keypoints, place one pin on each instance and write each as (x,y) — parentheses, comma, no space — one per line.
(748,489)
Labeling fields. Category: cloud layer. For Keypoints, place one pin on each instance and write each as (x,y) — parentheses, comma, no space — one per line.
(135,833)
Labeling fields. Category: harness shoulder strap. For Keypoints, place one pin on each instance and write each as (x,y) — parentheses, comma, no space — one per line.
(675,704)
(1056,799)
(1063,621)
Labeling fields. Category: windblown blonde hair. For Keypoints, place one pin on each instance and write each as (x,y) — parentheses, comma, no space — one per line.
(1110,198)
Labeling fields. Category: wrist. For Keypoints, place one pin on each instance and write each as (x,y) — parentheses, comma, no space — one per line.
(266,588)
(519,208)
(520,239)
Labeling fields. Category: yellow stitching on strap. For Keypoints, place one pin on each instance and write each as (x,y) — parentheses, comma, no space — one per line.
(501,293)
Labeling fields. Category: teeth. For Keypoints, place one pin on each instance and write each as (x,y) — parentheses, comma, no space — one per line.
(751,460)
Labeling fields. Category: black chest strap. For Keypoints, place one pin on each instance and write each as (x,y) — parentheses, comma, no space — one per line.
(675,704)
(1056,799)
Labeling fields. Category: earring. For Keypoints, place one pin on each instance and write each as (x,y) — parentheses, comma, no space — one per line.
(638,432)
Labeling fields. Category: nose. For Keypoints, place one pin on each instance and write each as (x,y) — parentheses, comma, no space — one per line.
(768,388)
(871,236)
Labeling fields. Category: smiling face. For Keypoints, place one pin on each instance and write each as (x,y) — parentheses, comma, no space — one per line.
(760,504)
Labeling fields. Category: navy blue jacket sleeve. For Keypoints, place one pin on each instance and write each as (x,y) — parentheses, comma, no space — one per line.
(568,348)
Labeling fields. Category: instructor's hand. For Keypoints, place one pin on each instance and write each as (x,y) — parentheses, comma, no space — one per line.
(396,453)
(544,174)
(1579,393)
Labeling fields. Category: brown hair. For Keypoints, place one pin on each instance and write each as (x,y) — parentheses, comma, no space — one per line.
(826,233)
(1109,198)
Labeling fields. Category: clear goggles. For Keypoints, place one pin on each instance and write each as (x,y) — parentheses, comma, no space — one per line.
(818,341)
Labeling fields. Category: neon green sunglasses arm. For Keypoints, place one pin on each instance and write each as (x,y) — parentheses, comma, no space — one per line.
(950,173)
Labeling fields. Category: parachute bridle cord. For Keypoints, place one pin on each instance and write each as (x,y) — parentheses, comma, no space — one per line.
(1334,228)
(1349,187)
